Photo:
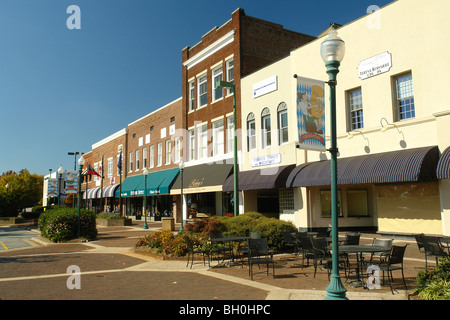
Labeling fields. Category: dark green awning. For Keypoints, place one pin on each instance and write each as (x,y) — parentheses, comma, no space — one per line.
(158,182)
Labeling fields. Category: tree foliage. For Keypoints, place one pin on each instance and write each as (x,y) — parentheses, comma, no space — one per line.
(24,190)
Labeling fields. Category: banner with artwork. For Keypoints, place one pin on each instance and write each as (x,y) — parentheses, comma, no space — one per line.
(71,181)
(311,114)
(52,188)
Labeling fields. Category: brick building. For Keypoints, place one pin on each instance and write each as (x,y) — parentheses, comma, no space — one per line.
(237,48)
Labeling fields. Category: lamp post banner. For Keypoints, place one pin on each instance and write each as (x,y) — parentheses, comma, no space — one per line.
(311,114)
(52,188)
(71,182)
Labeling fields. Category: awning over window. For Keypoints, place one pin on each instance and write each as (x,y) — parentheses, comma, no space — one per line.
(158,182)
(202,178)
(265,178)
(108,192)
(443,167)
(411,165)
(91,193)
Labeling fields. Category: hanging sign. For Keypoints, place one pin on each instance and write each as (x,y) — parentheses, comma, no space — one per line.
(310,114)
(71,182)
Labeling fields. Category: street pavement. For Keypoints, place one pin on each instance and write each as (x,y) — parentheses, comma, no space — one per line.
(109,269)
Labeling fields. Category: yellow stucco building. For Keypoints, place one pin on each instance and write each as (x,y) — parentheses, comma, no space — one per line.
(393,127)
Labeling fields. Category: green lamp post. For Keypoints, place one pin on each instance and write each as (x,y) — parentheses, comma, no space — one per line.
(81,162)
(332,51)
(225,84)
(145,198)
(181,165)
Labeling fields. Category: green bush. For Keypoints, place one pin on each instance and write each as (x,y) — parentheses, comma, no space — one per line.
(165,242)
(110,215)
(435,284)
(61,224)
(34,214)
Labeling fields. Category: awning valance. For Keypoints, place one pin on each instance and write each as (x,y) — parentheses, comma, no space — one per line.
(443,167)
(265,178)
(158,182)
(91,193)
(412,165)
(109,191)
(202,178)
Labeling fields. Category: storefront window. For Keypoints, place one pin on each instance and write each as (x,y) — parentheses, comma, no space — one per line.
(325,203)
(357,203)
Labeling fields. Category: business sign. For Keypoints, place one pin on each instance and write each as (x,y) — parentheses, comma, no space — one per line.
(265,86)
(266,160)
(374,66)
(311,114)
(71,182)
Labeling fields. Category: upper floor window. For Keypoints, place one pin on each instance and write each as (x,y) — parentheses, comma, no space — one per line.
(283,135)
(266,128)
(191,144)
(130,162)
(168,151)
(152,156)
(217,75)
(159,161)
(144,158)
(110,167)
(355,108)
(202,90)
(251,132)
(191,96)
(218,137)
(230,134)
(202,137)
(404,97)
(137,159)
(230,74)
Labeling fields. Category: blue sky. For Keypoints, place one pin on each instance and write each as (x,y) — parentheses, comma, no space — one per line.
(62,90)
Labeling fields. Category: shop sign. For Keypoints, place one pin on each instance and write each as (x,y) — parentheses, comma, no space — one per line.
(265,86)
(266,160)
(374,66)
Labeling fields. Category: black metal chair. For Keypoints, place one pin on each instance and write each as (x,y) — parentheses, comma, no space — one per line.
(192,250)
(322,254)
(394,261)
(352,238)
(379,257)
(291,241)
(305,246)
(259,253)
(433,248)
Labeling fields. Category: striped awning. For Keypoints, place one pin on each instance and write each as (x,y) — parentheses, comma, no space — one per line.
(443,167)
(91,193)
(266,178)
(108,192)
(412,165)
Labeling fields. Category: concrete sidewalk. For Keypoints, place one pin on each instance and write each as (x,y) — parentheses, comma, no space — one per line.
(290,283)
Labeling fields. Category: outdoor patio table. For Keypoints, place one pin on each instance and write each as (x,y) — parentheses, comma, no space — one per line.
(228,240)
(358,250)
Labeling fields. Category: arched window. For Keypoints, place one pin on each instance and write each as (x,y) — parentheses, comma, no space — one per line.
(283,135)
(251,132)
(266,128)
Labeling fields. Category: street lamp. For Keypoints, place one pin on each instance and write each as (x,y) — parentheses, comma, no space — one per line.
(75,162)
(332,51)
(181,165)
(80,164)
(60,172)
(225,84)
(145,198)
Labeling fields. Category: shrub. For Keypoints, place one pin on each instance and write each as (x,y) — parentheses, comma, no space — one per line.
(61,224)
(435,284)
(205,225)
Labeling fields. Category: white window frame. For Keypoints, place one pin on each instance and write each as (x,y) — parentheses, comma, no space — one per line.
(152,156)
(191,144)
(282,110)
(202,139)
(251,132)
(177,151)
(266,132)
(110,167)
(218,137)
(144,158)
(217,75)
(202,81)
(130,162)
(159,161)
(191,95)
(230,134)
(168,151)
(230,74)
(138,158)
